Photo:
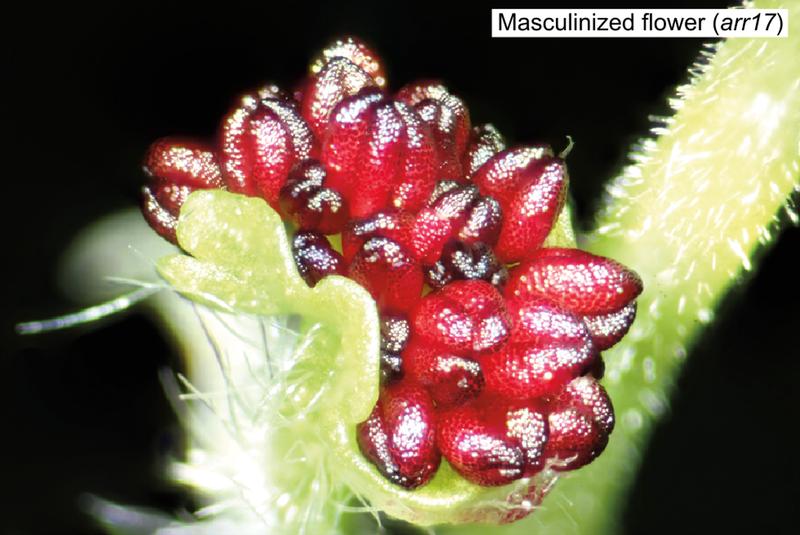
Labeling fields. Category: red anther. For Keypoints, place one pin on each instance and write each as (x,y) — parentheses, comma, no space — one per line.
(397,226)
(578,281)
(315,258)
(448,119)
(379,154)
(176,168)
(260,141)
(338,79)
(474,218)
(345,136)
(485,141)
(183,163)
(400,435)
(478,449)
(357,52)
(450,378)
(580,420)
(308,203)
(608,329)
(389,273)
(506,172)
(534,209)
(464,316)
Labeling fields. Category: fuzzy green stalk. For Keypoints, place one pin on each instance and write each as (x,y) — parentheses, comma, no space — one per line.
(690,215)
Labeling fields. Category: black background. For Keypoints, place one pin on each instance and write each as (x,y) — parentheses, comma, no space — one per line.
(90,88)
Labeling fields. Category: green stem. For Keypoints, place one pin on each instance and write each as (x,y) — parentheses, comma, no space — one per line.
(689,216)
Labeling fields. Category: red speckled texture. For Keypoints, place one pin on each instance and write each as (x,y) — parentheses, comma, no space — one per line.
(448,118)
(309,204)
(449,377)
(581,419)
(478,448)
(608,329)
(260,141)
(484,142)
(315,258)
(355,51)
(176,167)
(581,282)
(463,316)
(389,273)
(399,437)
(338,79)
(494,365)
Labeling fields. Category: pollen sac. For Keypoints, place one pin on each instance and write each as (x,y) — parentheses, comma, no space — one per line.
(399,437)
(460,261)
(502,176)
(308,203)
(448,118)
(456,213)
(397,226)
(477,448)
(176,168)
(315,258)
(580,420)
(473,217)
(608,329)
(395,332)
(541,322)
(484,142)
(388,273)
(525,424)
(583,283)
(338,79)
(379,154)
(531,186)
(260,141)
(357,52)
(548,348)
(450,378)
(528,371)
(183,163)
(464,316)
(157,216)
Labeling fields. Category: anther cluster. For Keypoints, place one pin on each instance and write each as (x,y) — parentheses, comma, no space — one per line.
(491,342)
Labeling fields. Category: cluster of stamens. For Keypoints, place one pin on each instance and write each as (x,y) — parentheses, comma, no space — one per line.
(491,342)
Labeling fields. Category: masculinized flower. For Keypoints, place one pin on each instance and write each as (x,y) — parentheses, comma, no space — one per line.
(491,332)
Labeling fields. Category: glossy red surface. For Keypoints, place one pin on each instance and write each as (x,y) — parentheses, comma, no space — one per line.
(495,366)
